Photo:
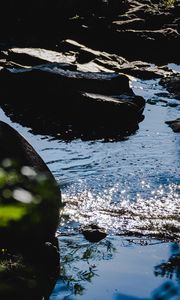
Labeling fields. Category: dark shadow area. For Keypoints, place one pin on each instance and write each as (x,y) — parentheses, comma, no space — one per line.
(31,275)
(151,27)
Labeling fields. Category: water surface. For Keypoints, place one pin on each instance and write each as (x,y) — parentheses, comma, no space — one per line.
(130,188)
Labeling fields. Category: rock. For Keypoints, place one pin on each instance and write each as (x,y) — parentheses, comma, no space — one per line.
(100,61)
(31,199)
(172,84)
(174,124)
(29,277)
(15,147)
(29,215)
(80,100)
(93,233)
(74,56)
(147,44)
(150,26)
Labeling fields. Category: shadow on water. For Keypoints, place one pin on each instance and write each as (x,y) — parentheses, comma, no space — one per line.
(171,268)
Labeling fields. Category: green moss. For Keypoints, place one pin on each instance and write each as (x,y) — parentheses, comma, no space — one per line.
(169,2)
(11,213)
(29,205)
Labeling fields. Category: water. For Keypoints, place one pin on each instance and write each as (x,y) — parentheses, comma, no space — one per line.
(118,268)
(130,188)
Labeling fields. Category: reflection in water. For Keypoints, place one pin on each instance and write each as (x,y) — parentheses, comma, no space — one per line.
(167,291)
(78,263)
(51,124)
(170,268)
(82,267)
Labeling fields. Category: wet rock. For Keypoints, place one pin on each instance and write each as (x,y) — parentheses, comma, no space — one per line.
(172,84)
(93,233)
(88,59)
(37,56)
(174,124)
(80,98)
(72,55)
(135,23)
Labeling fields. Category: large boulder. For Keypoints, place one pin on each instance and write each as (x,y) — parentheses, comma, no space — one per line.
(30,199)
(74,91)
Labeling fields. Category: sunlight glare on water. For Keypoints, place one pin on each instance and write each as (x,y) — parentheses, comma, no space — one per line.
(158,216)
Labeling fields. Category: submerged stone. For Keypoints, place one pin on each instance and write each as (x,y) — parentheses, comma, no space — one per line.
(93,233)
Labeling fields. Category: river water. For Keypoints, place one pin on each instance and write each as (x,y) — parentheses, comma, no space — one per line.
(130,188)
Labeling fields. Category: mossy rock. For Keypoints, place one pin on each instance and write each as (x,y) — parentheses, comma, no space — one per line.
(30,199)
(29,206)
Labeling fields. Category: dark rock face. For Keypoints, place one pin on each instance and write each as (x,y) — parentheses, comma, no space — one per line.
(149,27)
(172,84)
(22,279)
(36,221)
(174,124)
(67,94)
(15,147)
(28,220)
(112,25)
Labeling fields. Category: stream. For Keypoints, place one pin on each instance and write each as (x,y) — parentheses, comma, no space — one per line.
(131,189)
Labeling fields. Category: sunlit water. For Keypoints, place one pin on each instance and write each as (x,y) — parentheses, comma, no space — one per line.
(128,187)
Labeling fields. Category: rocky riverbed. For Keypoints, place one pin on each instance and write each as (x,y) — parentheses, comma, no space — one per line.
(94,87)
